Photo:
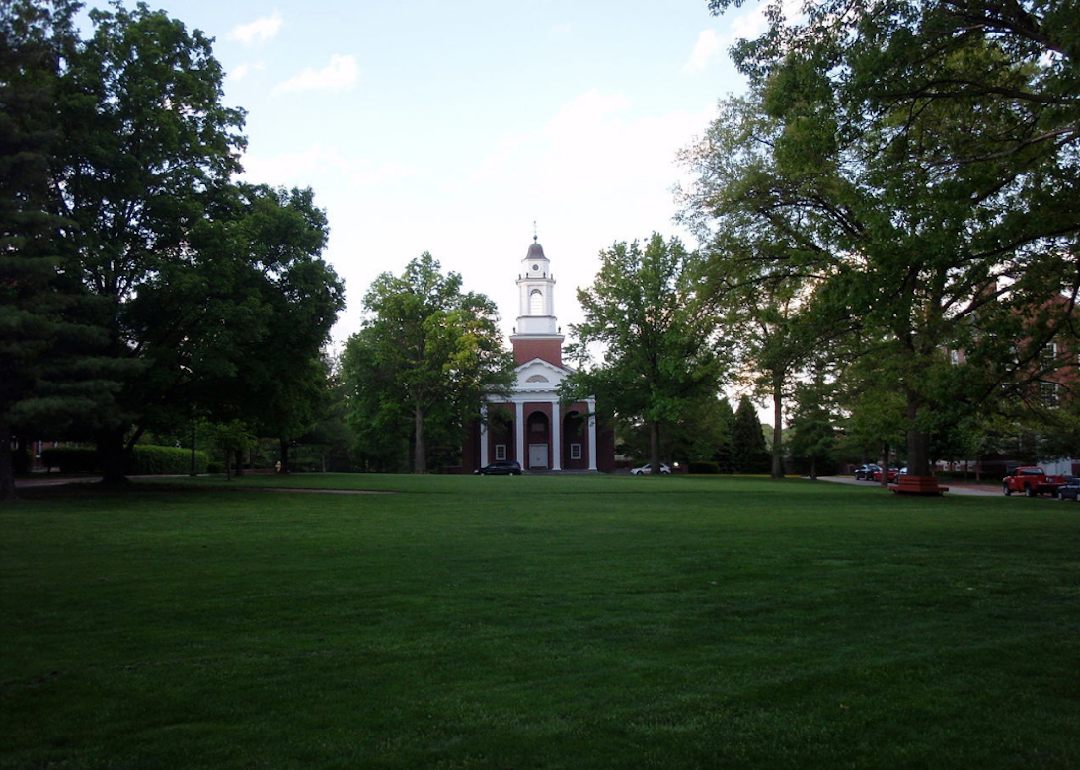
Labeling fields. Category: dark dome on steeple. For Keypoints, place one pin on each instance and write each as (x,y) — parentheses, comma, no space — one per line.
(536,251)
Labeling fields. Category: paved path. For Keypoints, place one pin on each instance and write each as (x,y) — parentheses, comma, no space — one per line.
(976,490)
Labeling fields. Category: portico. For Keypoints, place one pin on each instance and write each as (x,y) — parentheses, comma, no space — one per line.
(532,425)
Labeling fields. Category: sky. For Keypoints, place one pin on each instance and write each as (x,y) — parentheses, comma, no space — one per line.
(453,127)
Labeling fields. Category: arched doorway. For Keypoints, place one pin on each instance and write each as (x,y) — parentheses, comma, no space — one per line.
(574,440)
(538,438)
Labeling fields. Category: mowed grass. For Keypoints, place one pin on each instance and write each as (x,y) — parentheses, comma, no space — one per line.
(537,622)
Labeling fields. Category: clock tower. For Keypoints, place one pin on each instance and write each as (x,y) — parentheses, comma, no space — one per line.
(537,333)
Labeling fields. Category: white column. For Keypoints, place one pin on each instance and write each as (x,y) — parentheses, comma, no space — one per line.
(556,437)
(519,433)
(483,459)
(591,404)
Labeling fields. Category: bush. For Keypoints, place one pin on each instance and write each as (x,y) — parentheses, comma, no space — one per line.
(70,459)
(145,460)
(164,461)
(702,466)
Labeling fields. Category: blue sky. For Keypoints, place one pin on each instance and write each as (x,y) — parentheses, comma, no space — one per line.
(452,127)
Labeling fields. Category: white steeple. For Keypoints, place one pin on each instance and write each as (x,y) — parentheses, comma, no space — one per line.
(536,294)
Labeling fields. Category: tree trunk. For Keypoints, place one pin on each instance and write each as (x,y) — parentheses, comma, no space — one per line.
(283,447)
(420,459)
(885,466)
(21,461)
(112,455)
(654,446)
(7,469)
(918,441)
(777,433)
(813,468)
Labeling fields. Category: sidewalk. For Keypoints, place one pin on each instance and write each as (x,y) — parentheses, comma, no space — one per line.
(955,487)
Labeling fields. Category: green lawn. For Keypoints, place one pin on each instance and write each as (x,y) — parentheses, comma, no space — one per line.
(537,622)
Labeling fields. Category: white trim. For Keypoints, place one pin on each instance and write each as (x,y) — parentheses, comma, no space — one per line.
(556,437)
(519,431)
(483,436)
(591,404)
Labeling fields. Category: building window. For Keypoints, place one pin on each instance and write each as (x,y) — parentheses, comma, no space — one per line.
(575,451)
(500,451)
(1049,393)
(536,302)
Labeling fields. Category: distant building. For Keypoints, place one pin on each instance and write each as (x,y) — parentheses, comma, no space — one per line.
(532,426)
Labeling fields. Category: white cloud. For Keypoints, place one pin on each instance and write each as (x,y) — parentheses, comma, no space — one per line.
(339,74)
(504,153)
(241,71)
(365,173)
(319,161)
(747,25)
(292,168)
(258,30)
(705,50)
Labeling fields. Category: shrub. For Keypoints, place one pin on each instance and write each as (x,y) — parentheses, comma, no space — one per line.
(164,460)
(145,460)
(702,466)
(70,459)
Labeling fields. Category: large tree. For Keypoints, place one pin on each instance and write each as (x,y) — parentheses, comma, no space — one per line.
(926,156)
(182,281)
(656,332)
(422,364)
(42,342)
(277,299)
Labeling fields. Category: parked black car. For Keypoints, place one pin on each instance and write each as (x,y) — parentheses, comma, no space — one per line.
(500,468)
(1070,490)
(866,472)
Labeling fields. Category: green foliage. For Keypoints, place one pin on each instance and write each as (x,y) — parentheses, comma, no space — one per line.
(144,460)
(70,459)
(813,428)
(419,369)
(748,450)
(150,284)
(702,466)
(147,460)
(660,356)
(917,162)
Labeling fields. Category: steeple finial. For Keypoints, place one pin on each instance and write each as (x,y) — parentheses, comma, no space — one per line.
(534,231)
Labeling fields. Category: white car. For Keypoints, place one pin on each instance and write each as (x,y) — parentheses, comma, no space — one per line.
(647,468)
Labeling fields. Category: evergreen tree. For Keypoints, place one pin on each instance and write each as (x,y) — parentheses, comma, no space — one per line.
(140,284)
(748,450)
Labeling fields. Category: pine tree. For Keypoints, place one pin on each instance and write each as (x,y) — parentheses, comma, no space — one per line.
(749,453)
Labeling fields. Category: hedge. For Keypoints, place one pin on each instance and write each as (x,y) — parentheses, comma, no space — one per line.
(145,460)
(164,460)
(70,459)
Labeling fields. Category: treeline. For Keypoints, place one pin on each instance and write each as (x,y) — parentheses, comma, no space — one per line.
(143,286)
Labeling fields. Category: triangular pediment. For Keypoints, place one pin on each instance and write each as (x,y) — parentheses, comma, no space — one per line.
(539,374)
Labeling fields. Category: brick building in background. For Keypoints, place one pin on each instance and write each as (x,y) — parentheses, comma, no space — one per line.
(531,425)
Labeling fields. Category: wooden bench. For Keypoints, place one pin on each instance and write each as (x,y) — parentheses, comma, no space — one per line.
(918,485)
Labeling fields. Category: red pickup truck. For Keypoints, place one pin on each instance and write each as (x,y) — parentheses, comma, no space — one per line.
(1031,481)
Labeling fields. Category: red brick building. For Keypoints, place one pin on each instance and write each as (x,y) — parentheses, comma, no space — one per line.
(532,426)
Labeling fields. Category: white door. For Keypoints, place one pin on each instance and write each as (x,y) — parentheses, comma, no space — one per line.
(538,455)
